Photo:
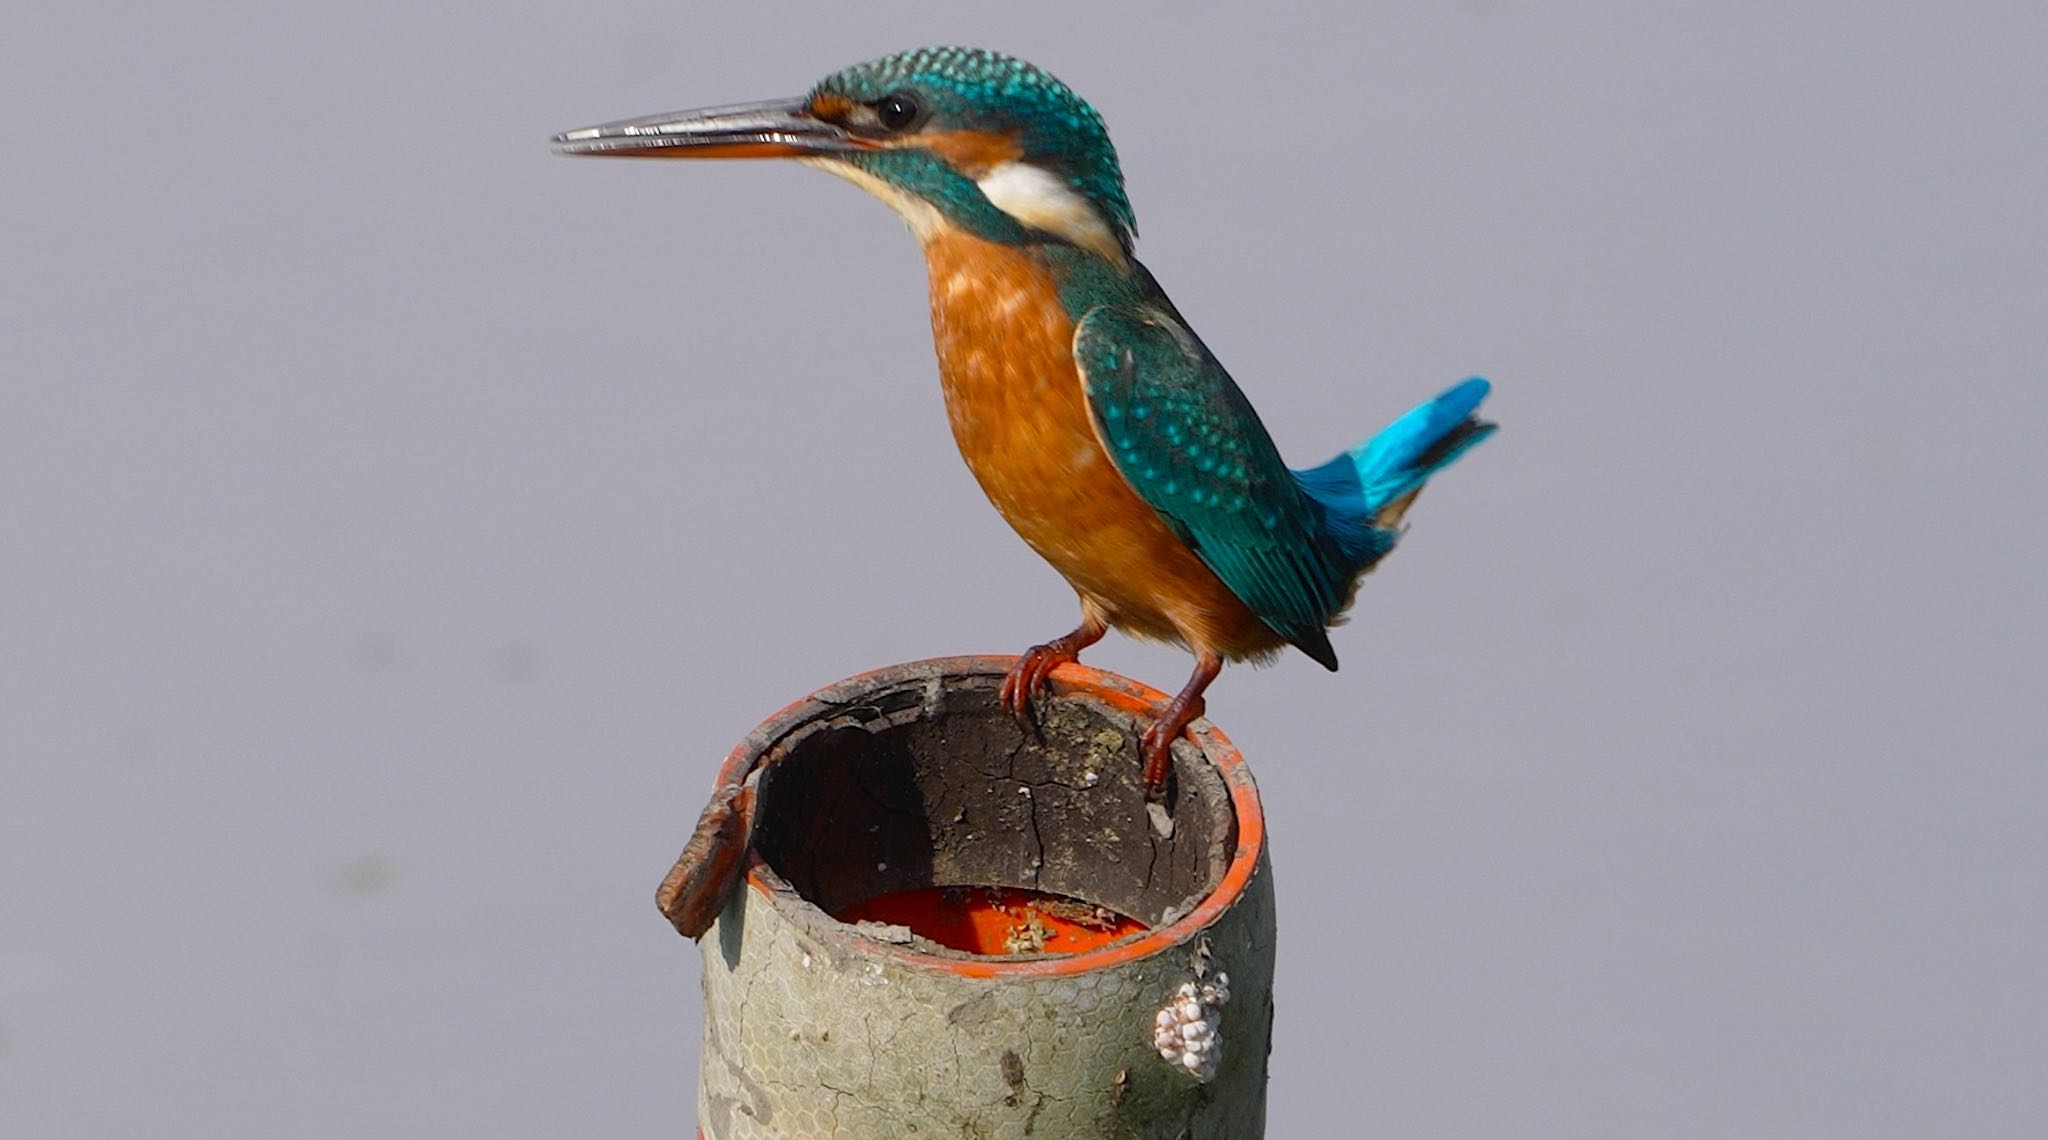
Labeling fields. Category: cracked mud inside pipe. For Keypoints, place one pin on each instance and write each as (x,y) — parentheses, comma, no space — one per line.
(898,821)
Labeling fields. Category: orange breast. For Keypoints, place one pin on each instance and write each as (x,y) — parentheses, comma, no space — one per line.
(1014,397)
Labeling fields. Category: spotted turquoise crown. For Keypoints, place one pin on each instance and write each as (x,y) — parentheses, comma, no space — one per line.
(978,90)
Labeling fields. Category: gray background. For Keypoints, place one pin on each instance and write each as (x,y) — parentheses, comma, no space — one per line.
(401,522)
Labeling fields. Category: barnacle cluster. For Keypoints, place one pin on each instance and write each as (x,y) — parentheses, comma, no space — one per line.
(1187,1030)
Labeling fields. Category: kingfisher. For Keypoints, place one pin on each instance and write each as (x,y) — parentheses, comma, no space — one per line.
(1096,421)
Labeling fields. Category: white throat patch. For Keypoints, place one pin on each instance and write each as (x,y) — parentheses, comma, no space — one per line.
(1042,200)
(923,218)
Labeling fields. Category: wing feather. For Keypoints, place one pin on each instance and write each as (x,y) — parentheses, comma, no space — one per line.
(1187,440)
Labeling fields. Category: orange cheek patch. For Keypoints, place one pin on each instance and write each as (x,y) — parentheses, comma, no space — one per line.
(973,153)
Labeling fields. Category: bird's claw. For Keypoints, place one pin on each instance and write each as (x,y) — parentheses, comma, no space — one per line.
(1156,745)
(1156,748)
(1029,676)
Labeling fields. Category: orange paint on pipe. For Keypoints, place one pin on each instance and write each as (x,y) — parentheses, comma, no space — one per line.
(996,921)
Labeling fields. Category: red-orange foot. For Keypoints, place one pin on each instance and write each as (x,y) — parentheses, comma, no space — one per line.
(1156,746)
(1028,675)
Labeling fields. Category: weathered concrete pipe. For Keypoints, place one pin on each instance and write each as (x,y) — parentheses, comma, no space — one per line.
(951,926)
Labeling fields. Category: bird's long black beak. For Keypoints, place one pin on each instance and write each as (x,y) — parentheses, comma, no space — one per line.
(779,128)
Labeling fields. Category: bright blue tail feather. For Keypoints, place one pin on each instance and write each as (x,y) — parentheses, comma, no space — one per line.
(1356,486)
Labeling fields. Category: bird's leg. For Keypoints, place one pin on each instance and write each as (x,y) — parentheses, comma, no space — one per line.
(1156,746)
(1028,675)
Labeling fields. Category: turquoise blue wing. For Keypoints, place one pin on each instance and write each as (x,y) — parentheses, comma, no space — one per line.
(1189,443)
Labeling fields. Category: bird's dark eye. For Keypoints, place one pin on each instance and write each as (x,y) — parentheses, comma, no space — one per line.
(897,111)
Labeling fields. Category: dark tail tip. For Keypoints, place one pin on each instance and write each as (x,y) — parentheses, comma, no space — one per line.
(1454,441)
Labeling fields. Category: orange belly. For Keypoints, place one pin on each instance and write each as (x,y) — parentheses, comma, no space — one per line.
(1014,397)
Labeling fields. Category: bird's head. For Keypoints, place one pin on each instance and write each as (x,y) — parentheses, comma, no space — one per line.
(957,137)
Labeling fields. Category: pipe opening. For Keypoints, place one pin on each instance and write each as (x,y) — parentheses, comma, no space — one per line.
(926,806)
